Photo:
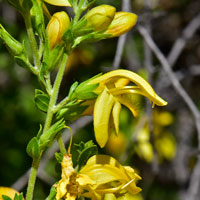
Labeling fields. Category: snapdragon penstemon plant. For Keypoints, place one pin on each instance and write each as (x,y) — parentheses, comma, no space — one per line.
(97,176)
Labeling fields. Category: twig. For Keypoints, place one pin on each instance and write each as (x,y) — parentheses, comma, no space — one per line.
(126,5)
(148,61)
(194,185)
(194,181)
(178,46)
(184,131)
(119,51)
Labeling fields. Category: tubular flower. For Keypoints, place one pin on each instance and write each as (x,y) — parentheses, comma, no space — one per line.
(113,90)
(122,23)
(59,2)
(57,26)
(101,175)
(100,17)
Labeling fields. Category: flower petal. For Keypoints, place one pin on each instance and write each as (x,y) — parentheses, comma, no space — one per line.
(116,116)
(102,111)
(58,2)
(135,78)
(105,169)
(67,171)
(128,101)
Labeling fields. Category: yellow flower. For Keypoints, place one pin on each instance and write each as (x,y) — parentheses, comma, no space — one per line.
(122,23)
(116,141)
(58,2)
(164,140)
(166,146)
(100,17)
(144,148)
(112,92)
(56,27)
(101,175)
(10,192)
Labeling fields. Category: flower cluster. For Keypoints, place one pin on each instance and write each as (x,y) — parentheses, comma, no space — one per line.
(98,23)
(113,90)
(101,175)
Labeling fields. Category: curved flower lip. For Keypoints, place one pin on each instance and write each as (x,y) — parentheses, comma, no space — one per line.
(105,169)
(59,2)
(143,86)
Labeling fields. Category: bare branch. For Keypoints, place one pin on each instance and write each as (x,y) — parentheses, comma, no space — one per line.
(178,46)
(126,5)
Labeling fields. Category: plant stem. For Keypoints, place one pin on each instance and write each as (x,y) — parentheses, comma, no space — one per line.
(48,121)
(62,103)
(55,91)
(32,178)
(32,40)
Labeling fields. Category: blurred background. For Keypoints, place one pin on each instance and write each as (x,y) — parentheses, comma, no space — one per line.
(161,143)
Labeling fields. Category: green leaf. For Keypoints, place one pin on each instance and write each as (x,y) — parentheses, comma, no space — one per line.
(6,197)
(79,29)
(38,18)
(48,137)
(59,157)
(43,72)
(71,113)
(85,150)
(39,132)
(54,57)
(52,194)
(91,37)
(72,89)
(22,61)
(41,100)
(85,90)
(13,46)
(33,149)
(37,91)
(18,196)
(68,38)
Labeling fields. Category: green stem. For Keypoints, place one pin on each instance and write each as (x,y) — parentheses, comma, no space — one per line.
(61,144)
(48,121)
(55,91)
(32,40)
(62,103)
(32,179)
(48,83)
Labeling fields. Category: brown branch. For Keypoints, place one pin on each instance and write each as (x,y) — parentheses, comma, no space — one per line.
(180,43)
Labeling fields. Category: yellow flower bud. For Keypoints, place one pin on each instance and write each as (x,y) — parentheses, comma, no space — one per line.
(100,17)
(122,23)
(56,27)
(58,2)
